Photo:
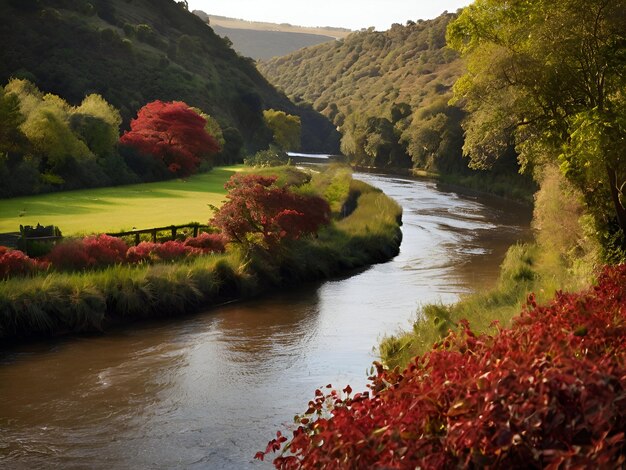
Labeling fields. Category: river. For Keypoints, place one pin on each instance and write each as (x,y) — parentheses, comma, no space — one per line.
(209,390)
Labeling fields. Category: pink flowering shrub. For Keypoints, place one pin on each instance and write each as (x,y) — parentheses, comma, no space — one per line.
(168,251)
(95,251)
(208,242)
(15,262)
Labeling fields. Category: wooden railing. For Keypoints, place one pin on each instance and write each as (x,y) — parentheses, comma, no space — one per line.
(173,229)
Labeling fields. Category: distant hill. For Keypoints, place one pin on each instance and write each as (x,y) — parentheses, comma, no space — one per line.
(387,91)
(235,23)
(263,45)
(262,41)
(135,51)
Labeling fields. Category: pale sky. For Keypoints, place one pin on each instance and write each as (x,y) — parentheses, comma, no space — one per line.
(353,14)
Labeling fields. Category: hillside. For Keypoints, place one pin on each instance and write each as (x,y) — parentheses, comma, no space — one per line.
(135,51)
(387,91)
(263,45)
(236,23)
(262,41)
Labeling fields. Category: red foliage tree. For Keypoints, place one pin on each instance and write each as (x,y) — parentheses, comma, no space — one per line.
(550,392)
(259,212)
(173,133)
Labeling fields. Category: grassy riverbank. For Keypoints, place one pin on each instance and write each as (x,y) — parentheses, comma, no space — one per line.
(563,257)
(57,303)
(117,208)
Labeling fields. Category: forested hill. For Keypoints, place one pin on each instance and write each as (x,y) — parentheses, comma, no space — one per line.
(135,51)
(388,92)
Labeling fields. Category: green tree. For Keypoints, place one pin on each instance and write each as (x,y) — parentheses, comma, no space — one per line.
(549,78)
(286,128)
(12,139)
(98,124)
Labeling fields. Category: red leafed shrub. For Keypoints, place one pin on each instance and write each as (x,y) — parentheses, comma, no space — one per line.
(172,133)
(168,251)
(105,250)
(550,392)
(69,255)
(172,250)
(15,262)
(258,211)
(141,252)
(95,251)
(208,242)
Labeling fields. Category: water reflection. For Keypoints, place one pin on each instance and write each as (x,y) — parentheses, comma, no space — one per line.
(208,391)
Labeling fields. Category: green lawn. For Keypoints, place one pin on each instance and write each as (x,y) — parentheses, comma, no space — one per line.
(149,205)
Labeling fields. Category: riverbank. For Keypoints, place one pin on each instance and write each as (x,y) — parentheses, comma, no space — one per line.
(561,257)
(59,303)
(510,187)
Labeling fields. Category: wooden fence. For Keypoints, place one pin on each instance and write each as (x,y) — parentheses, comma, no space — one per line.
(173,229)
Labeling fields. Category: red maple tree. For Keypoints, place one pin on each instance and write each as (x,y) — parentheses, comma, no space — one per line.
(261,213)
(173,133)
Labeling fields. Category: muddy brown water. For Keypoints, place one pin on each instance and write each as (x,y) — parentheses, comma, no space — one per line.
(209,390)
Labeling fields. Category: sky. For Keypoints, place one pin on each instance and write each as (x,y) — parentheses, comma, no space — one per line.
(353,14)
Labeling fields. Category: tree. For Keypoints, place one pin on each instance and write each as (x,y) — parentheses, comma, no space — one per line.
(260,213)
(173,134)
(12,139)
(549,78)
(98,124)
(285,127)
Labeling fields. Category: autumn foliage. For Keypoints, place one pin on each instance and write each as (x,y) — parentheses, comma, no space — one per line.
(550,392)
(89,252)
(173,133)
(260,212)
(15,263)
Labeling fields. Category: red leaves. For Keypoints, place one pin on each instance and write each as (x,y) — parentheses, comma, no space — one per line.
(103,250)
(548,392)
(95,251)
(168,251)
(260,213)
(173,133)
(15,262)
(208,242)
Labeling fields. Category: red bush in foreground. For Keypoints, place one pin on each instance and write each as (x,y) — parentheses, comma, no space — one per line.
(550,392)
(15,262)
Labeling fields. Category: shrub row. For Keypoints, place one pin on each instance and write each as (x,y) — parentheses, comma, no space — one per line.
(550,392)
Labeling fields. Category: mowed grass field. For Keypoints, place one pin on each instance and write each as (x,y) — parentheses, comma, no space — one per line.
(119,208)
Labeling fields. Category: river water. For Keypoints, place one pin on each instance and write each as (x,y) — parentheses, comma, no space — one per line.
(209,390)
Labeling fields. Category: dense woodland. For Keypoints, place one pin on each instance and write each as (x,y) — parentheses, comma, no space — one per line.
(388,93)
(132,52)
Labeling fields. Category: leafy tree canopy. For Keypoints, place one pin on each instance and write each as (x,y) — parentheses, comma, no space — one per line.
(549,78)
(286,128)
(172,133)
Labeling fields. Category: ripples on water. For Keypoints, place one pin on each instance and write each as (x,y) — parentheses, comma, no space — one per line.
(209,390)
